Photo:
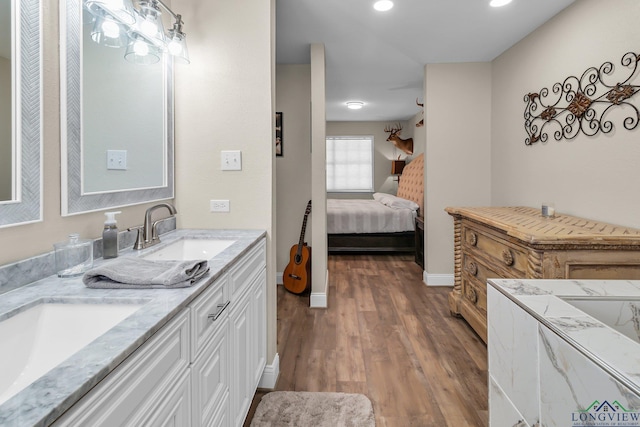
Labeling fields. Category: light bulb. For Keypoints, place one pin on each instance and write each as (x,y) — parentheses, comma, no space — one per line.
(148,28)
(110,29)
(141,48)
(175,47)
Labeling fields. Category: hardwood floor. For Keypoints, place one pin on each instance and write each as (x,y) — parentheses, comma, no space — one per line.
(388,336)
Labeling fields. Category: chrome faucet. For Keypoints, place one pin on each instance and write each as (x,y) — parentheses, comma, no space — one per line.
(147,233)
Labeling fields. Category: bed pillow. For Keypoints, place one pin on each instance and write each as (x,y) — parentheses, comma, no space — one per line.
(395,201)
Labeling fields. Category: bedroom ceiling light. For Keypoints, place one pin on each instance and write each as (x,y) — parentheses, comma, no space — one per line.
(144,35)
(499,3)
(355,105)
(383,5)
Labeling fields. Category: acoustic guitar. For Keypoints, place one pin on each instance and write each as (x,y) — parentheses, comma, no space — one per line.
(297,275)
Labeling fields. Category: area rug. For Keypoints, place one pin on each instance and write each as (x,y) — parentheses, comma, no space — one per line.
(303,408)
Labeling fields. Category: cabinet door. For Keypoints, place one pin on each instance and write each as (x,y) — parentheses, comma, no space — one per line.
(241,374)
(175,410)
(210,373)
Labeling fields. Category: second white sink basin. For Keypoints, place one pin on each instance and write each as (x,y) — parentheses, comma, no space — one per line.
(36,340)
(190,249)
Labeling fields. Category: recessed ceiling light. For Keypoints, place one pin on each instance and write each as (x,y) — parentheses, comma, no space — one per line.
(499,3)
(383,5)
(355,105)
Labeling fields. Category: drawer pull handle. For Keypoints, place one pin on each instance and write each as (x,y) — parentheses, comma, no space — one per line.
(507,257)
(472,238)
(472,295)
(217,314)
(472,268)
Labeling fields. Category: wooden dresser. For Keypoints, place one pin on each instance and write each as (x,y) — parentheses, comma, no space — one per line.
(518,242)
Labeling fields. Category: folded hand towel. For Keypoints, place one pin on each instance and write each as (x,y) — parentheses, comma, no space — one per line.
(137,273)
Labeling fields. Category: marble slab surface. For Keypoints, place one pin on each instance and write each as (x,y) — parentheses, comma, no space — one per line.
(616,354)
(55,392)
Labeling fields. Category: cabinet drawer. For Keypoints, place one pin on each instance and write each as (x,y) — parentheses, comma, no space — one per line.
(508,258)
(134,389)
(208,313)
(242,275)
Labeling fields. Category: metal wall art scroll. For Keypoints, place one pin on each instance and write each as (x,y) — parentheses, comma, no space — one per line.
(586,104)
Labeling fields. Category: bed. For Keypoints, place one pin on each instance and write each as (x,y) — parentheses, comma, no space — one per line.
(384,224)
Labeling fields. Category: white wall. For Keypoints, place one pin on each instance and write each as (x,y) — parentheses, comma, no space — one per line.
(293,169)
(319,286)
(224,102)
(458,152)
(384,152)
(594,177)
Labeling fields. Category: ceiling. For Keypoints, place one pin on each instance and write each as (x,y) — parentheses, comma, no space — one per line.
(379,57)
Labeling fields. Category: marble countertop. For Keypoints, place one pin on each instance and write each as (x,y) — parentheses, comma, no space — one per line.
(615,352)
(52,394)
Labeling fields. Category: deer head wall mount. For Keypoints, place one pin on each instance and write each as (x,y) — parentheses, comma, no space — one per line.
(405,145)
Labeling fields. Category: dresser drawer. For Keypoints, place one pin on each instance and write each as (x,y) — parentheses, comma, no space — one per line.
(507,259)
(474,282)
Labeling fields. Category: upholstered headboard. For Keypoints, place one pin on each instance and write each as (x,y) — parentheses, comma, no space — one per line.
(411,186)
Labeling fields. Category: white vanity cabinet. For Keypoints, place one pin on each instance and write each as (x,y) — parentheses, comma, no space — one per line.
(248,332)
(210,379)
(151,383)
(201,369)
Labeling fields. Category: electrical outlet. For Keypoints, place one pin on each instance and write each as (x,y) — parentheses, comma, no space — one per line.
(117,159)
(219,205)
(231,160)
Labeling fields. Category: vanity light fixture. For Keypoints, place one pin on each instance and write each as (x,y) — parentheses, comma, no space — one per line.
(499,3)
(108,32)
(355,105)
(383,5)
(143,34)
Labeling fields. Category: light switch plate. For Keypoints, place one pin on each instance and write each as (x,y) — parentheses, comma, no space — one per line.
(117,159)
(231,160)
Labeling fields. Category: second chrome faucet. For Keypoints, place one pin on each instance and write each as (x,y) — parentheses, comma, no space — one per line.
(147,233)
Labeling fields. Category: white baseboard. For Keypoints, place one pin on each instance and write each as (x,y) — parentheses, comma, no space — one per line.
(319,299)
(270,374)
(437,279)
(279,279)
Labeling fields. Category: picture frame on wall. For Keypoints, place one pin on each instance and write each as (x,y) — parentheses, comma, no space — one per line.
(279,134)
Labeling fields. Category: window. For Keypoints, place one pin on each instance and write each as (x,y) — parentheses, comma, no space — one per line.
(350,164)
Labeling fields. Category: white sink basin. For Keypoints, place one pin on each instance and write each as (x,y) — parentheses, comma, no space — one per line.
(190,249)
(38,339)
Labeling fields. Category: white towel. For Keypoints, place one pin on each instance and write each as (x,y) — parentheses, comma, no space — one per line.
(137,273)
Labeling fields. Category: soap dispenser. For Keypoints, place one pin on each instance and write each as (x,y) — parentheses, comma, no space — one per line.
(110,236)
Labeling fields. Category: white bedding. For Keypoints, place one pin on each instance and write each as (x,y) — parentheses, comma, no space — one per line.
(366,216)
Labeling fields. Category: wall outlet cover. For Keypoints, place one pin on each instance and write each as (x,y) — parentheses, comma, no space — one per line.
(219,205)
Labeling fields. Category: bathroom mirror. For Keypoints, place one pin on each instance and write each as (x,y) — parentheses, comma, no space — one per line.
(20,112)
(117,122)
